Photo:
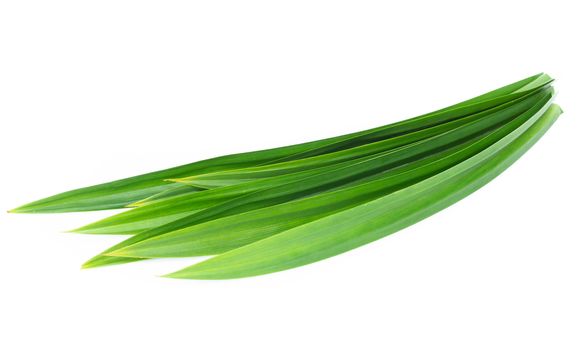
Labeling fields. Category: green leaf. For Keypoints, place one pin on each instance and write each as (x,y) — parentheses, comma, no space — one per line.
(222,234)
(180,203)
(363,224)
(471,106)
(120,193)
(233,177)
(297,186)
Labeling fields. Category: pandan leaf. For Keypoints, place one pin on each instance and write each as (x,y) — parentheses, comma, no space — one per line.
(266,211)
(232,177)
(120,193)
(178,206)
(363,224)
(328,179)
(471,106)
(231,232)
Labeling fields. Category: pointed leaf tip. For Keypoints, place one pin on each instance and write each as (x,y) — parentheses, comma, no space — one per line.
(87,265)
(20,210)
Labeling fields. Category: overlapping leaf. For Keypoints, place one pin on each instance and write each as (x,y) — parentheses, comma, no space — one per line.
(120,193)
(275,209)
(363,224)
(222,234)
(167,211)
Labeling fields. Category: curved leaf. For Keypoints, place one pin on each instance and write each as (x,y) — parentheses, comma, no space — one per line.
(120,193)
(363,224)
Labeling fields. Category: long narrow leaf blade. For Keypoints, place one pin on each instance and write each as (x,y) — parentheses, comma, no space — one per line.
(160,211)
(120,193)
(352,228)
(326,180)
(232,177)
(231,232)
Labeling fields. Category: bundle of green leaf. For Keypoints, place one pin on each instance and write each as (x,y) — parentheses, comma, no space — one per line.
(271,210)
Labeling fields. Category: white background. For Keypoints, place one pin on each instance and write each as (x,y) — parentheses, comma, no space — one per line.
(92,91)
